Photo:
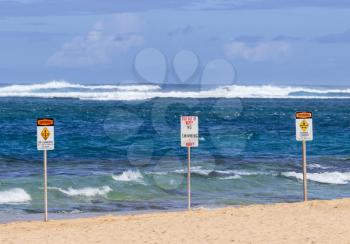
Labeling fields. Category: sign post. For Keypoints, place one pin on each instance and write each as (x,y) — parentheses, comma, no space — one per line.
(304,171)
(189,177)
(304,132)
(189,138)
(45,141)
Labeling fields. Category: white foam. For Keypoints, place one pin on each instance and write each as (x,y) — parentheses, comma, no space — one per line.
(129,176)
(138,87)
(195,169)
(225,172)
(157,173)
(60,84)
(199,170)
(86,191)
(244,172)
(13,196)
(232,177)
(64,89)
(205,172)
(339,178)
(317,166)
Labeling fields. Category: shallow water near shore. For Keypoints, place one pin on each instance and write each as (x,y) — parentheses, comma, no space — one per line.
(122,156)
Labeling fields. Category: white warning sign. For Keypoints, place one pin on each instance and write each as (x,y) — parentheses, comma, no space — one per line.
(303,123)
(45,134)
(189,131)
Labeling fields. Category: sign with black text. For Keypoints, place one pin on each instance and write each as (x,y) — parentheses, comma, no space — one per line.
(189,131)
(45,134)
(303,123)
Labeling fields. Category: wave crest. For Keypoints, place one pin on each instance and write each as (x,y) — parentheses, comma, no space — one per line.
(129,176)
(64,89)
(338,178)
(86,191)
(13,196)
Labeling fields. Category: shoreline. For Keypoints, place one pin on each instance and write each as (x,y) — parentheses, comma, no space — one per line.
(320,221)
(32,217)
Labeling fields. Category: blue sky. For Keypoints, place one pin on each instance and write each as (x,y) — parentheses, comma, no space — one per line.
(291,42)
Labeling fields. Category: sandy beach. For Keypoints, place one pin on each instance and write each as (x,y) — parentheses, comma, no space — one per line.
(312,222)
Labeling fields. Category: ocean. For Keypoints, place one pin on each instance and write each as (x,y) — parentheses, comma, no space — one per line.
(117,147)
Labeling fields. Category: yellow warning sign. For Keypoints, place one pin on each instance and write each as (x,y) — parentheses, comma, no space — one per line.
(304,125)
(45,133)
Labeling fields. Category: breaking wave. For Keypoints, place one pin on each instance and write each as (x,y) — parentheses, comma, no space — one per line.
(64,89)
(226,174)
(195,170)
(232,177)
(13,196)
(129,176)
(86,191)
(317,166)
(338,178)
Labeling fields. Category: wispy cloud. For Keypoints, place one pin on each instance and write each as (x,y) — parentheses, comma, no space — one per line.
(262,51)
(248,38)
(335,37)
(33,35)
(287,38)
(101,43)
(186,30)
(76,7)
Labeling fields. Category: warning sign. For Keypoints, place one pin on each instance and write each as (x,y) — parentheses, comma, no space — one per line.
(189,131)
(303,123)
(45,134)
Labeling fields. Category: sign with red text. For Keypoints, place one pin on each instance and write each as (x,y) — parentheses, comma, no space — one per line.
(303,126)
(189,131)
(45,134)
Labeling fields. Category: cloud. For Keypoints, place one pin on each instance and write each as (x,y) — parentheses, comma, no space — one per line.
(248,38)
(286,38)
(186,30)
(36,23)
(261,51)
(33,35)
(100,44)
(255,39)
(335,38)
(76,7)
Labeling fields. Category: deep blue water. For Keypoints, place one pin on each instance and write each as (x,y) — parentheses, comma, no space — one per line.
(114,156)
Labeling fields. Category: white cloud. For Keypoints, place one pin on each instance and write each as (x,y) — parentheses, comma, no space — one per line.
(103,41)
(126,22)
(262,51)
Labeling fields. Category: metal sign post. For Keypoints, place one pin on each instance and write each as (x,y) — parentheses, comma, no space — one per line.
(189,138)
(304,171)
(304,132)
(45,185)
(189,178)
(45,141)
